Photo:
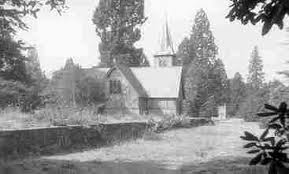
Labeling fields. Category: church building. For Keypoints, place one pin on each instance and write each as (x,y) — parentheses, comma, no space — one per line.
(147,90)
(157,89)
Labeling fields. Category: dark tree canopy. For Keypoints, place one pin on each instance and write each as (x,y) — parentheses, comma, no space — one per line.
(12,13)
(268,12)
(118,26)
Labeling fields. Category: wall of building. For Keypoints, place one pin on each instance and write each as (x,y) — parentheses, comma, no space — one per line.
(127,101)
(52,140)
(162,106)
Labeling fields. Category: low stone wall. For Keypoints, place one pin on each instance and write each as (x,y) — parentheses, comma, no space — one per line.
(45,141)
(48,141)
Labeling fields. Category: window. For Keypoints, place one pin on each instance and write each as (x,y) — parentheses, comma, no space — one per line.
(115,86)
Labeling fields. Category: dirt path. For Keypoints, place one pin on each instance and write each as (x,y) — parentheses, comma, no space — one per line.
(207,149)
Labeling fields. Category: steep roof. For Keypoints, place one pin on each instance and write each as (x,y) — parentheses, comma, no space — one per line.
(153,82)
(159,82)
(130,76)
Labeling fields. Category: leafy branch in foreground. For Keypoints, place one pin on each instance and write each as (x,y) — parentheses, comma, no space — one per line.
(271,150)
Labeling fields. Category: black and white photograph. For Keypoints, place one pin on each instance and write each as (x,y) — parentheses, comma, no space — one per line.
(144,87)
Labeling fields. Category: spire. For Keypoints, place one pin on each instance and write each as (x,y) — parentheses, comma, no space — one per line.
(166,44)
(166,54)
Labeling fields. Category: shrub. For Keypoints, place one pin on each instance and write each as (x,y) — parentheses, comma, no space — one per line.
(271,150)
(170,122)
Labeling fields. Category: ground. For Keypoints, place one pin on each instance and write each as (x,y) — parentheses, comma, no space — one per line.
(207,150)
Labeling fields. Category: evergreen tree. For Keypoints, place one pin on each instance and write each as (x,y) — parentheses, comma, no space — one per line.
(205,76)
(218,82)
(183,53)
(237,93)
(256,75)
(118,26)
(257,91)
(202,44)
(33,65)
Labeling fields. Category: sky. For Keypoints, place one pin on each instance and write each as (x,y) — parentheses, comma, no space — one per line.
(73,35)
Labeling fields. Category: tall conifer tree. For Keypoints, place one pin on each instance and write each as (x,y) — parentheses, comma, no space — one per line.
(118,26)
(256,75)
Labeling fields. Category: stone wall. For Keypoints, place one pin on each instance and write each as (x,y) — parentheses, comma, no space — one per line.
(47,141)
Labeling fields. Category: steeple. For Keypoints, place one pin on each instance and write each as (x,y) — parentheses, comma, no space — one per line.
(164,56)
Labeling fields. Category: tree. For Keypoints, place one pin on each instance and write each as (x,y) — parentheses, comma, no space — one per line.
(237,93)
(218,82)
(183,53)
(12,13)
(16,86)
(270,12)
(33,65)
(202,44)
(73,86)
(256,75)
(204,75)
(257,91)
(118,26)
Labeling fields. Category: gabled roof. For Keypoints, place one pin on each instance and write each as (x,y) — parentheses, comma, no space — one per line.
(131,79)
(153,82)
(159,82)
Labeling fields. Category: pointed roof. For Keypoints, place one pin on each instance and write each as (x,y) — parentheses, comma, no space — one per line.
(152,82)
(166,43)
(159,82)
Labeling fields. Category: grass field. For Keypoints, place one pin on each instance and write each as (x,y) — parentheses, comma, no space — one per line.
(207,150)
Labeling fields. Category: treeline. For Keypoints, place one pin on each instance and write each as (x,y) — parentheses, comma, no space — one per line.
(206,85)
(69,86)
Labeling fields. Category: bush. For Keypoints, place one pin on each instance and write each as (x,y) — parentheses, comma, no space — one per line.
(170,122)
(271,149)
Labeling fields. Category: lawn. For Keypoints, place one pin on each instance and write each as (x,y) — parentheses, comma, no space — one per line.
(206,150)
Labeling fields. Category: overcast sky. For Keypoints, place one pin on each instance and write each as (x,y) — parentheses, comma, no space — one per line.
(73,35)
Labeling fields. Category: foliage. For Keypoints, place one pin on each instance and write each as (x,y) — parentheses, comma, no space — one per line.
(12,15)
(204,74)
(11,92)
(12,61)
(271,150)
(256,74)
(15,67)
(253,104)
(72,86)
(257,92)
(200,45)
(269,12)
(170,122)
(183,54)
(117,24)
(278,92)
(237,93)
